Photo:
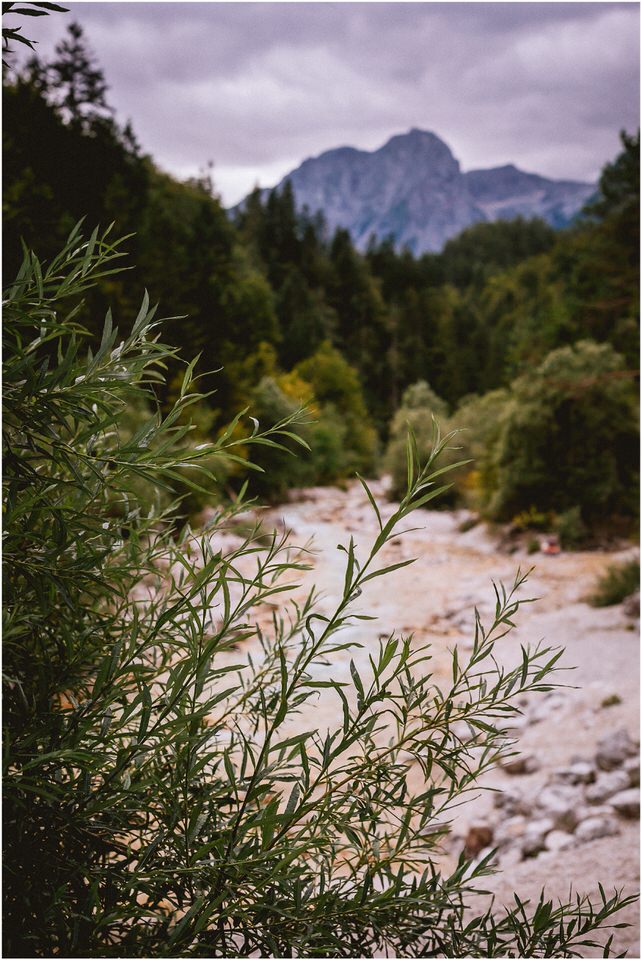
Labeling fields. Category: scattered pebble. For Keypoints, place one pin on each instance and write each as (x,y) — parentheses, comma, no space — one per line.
(579,802)
(627,803)
(614,749)
(510,830)
(632,769)
(534,838)
(526,763)
(578,772)
(631,605)
(596,827)
(558,840)
(607,784)
(560,801)
(479,836)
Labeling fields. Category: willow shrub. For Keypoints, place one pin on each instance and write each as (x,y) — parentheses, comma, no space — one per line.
(167,791)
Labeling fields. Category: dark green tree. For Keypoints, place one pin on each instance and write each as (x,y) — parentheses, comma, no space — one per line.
(75,84)
(570,437)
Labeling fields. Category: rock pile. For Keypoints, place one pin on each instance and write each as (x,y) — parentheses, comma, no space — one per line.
(578,803)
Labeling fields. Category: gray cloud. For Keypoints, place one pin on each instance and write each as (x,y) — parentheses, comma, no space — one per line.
(257,87)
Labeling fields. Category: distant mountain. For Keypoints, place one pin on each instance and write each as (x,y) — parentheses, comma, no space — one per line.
(503,193)
(413,188)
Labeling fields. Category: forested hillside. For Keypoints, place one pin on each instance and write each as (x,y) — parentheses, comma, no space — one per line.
(526,336)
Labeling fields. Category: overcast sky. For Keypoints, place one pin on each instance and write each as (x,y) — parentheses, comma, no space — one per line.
(258,87)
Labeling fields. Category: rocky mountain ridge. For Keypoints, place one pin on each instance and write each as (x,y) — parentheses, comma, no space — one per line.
(413,188)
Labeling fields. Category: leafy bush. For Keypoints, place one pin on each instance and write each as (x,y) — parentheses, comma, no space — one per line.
(167,789)
(420,408)
(570,528)
(280,469)
(565,437)
(337,433)
(618,583)
(479,422)
(338,392)
(569,436)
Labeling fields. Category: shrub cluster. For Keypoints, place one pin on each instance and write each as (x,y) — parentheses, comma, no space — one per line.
(618,583)
(561,444)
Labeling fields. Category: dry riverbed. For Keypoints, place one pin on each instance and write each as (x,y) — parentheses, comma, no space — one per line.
(570,814)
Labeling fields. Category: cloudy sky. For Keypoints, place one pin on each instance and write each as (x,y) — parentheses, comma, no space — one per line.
(258,87)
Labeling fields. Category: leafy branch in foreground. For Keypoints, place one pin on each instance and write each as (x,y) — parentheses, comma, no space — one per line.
(26,9)
(168,790)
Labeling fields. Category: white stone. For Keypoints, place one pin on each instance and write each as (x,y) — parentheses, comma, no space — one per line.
(517,766)
(596,827)
(558,840)
(606,785)
(632,768)
(578,772)
(513,725)
(510,856)
(585,812)
(560,802)
(510,830)
(535,836)
(614,749)
(627,803)
(512,803)
(543,709)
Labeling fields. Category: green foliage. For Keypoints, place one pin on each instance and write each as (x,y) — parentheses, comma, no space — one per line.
(563,441)
(619,186)
(485,249)
(618,583)
(280,469)
(531,519)
(168,791)
(339,437)
(76,83)
(570,528)
(533,546)
(60,137)
(420,409)
(569,436)
(13,33)
(337,389)
(479,422)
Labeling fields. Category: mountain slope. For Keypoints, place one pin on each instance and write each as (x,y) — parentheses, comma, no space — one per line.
(506,192)
(413,188)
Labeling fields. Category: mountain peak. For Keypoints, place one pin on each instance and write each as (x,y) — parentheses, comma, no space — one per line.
(418,139)
(412,189)
(418,134)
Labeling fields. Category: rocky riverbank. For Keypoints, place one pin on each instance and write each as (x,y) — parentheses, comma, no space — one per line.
(565,811)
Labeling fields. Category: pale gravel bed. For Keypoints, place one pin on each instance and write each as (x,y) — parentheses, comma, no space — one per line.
(434,599)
